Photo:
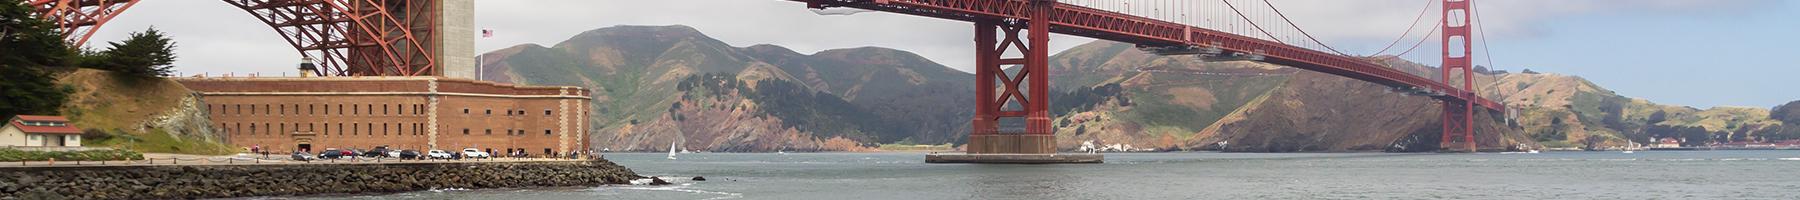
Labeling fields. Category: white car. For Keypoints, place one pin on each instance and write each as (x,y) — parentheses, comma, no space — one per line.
(438,154)
(474,153)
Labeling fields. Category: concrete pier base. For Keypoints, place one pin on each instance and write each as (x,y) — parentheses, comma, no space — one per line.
(1016,158)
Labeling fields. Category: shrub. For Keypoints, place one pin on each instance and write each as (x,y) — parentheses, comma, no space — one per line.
(14,155)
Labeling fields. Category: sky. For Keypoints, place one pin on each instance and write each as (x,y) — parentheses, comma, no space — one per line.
(1700,53)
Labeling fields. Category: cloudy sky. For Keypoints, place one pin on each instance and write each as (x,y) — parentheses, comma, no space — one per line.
(1702,53)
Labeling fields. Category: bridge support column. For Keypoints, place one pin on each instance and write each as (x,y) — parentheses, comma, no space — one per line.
(1459,116)
(1023,94)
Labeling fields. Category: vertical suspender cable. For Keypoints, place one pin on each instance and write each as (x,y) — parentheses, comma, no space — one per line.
(1247,18)
(1297,28)
(1481,28)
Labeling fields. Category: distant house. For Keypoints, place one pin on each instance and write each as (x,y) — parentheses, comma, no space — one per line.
(1667,143)
(40,131)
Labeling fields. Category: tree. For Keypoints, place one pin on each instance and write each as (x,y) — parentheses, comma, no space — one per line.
(144,54)
(27,47)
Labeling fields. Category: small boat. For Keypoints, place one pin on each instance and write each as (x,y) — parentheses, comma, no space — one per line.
(1532,151)
(671,150)
(1629,151)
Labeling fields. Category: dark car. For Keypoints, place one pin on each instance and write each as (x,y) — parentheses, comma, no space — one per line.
(331,153)
(377,152)
(409,154)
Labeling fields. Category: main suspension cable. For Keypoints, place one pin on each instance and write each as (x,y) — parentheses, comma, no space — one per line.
(1422,40)
(1297,28)
(1252,23)
(1409,27)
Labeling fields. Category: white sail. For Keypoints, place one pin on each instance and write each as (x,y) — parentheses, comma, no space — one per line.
(671,150)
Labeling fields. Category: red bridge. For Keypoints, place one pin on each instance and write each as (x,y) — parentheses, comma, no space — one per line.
(380,38)
(1038,18)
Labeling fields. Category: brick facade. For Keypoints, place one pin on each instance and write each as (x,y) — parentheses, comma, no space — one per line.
(422,113)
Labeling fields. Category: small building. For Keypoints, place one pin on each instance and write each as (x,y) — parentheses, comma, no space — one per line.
(1667,143)
(40,131)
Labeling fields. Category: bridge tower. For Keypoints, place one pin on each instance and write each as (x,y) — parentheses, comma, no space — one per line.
(1459,119)
(1024,94)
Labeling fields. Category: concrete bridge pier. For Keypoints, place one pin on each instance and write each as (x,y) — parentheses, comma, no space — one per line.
(1022,94)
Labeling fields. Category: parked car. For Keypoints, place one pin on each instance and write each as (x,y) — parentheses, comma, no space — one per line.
(353,152)
(406,154)
(474,153)
(377,152)
(438,154)
(331,153)
(302,156)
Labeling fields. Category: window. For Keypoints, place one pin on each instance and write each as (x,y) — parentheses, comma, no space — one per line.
(490,112)
(546,131)
(266,109)
(465,131)
(283,109)
(253,126)
(546,112)
(465,111)
(355,129)
(309,109)
(490,131)
(384,130)
(340,125)
(240,109)
(340,109)
(384,109)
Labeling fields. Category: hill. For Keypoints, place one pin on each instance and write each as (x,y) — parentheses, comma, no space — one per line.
(637,73)
(149,115)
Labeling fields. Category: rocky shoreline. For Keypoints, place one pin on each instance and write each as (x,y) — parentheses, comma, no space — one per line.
(225,181)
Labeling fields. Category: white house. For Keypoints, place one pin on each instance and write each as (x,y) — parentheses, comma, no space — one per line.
(40,131)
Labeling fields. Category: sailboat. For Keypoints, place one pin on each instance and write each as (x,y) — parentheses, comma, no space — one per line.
(1629,145)
(671,150)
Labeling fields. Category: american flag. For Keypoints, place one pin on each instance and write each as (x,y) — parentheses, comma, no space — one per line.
(487,33)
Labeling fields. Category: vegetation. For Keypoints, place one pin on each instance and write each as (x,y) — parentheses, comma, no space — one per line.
(823,114)
(145,54)
(30,46)
(14,155)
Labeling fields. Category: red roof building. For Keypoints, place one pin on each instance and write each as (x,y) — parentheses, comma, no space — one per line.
(34,130)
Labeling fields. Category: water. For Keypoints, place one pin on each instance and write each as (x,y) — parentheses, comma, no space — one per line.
(866,176)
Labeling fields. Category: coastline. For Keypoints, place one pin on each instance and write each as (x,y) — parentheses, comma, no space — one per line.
(228,181)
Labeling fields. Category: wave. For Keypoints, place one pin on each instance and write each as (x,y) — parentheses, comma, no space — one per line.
(684,189)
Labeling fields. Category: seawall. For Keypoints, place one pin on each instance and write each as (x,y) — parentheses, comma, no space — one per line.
(222,181)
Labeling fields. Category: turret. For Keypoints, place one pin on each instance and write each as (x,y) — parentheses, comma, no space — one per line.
(307,69)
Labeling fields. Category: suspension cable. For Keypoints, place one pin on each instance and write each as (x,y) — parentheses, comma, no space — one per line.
(1252,23)
(1297,28)
(1422,40)
(1409,27)
(1482,29)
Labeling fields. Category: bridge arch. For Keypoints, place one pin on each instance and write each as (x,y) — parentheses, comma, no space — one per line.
(347,37)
